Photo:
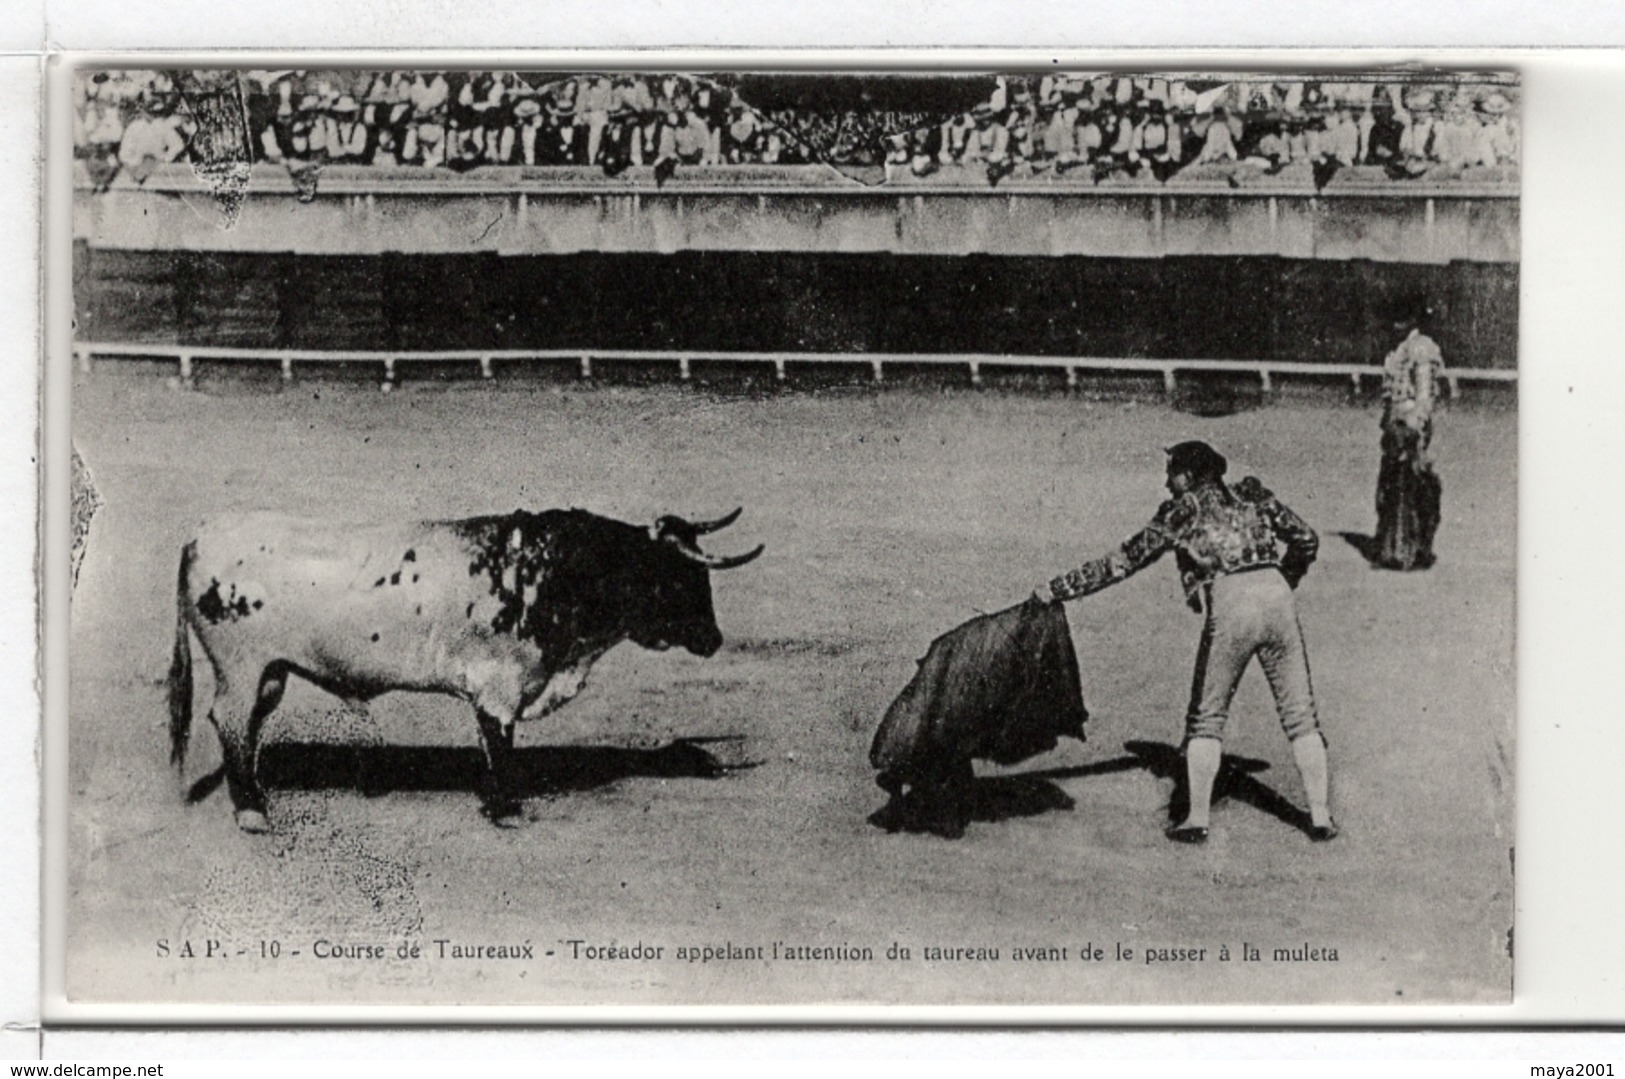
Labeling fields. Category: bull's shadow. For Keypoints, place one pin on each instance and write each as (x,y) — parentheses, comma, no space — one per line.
(537,770)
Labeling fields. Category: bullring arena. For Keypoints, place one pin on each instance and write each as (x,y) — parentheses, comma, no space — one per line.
(695,830)
(682,801)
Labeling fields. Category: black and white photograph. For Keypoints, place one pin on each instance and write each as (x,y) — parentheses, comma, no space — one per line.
(740,537)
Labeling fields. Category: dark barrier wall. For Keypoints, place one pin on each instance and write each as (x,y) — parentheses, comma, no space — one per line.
(1179,307)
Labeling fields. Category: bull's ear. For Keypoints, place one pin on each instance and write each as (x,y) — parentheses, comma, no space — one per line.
(665,527)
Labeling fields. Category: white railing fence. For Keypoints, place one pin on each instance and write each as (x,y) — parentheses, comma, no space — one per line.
(88,354)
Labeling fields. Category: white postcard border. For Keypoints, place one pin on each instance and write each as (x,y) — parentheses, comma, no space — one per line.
(1569,737)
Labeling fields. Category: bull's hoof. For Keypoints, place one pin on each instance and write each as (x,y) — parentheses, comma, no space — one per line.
(253,821)
(504,814)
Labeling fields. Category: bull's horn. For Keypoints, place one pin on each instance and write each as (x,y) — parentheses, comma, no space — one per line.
(702,528)
(720,561)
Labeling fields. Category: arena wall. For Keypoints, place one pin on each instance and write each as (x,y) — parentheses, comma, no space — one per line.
(1190,307)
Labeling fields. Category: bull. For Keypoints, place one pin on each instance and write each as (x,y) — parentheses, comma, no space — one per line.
(508,613)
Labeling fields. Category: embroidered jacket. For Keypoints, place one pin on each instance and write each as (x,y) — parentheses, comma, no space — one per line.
(1213,530)
(1410,375)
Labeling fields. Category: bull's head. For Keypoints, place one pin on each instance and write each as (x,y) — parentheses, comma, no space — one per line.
(684,535)
(683,613)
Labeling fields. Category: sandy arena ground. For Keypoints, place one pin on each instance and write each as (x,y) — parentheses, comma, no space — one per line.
(686,802)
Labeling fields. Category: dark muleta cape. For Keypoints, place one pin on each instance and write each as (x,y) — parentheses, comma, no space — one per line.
(1002,687)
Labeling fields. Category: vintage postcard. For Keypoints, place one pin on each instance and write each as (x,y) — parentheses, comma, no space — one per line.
(724,538)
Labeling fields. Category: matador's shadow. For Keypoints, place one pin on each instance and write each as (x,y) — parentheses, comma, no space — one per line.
(1236,779)
(1366,545)
(945,810)
(989,799)
(1371,551)
(537,770)
(946,807)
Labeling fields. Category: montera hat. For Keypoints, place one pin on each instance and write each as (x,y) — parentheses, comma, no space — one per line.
(1410,306)
(1197,458)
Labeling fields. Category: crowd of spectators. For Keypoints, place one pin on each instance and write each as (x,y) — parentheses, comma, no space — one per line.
(1089,126)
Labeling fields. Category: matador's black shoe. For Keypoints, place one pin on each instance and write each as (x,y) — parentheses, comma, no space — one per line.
(1187,833)
(1324,833)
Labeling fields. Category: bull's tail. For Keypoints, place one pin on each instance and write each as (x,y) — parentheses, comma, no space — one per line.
(180,667)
